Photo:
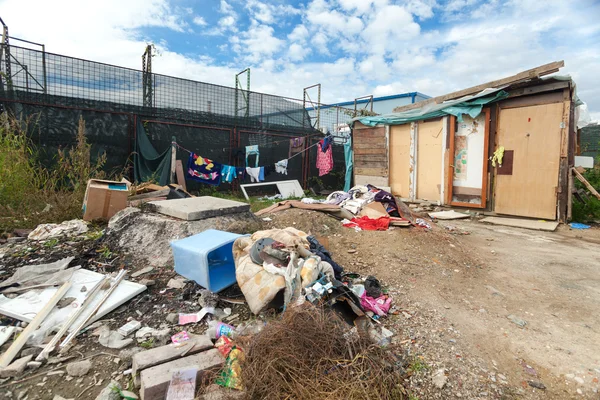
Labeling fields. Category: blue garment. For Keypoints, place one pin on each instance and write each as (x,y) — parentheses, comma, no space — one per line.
(348,155)
(325,143)
(261,175)
(252,150)
(228,173)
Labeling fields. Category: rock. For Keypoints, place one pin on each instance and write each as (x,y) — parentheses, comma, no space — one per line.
(579,380)
(172,318)
(34,364)
(79,368)
(439,379)
(16,368)
(176,283)
(147,282)
(16,239)
(31,351)
(517,321)
(22,394)
(142,272)
(216,392)
(113,340)
(57,397)
(64,302)
(109,392)
(352,251)
(537,385)
(146,237)
(126,355)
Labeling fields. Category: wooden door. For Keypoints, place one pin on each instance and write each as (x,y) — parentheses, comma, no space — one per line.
(429,159)
(400,160)
(531,137)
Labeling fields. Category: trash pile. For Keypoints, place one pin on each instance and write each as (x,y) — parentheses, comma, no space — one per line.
(361,208)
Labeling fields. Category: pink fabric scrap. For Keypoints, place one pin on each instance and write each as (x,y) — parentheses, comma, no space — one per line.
(379,306)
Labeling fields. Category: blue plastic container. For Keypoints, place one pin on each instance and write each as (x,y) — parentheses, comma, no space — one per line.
(207,259)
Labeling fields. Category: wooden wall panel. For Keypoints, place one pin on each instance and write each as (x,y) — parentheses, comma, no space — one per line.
(400,160)
(534,133)
(370,153)
(429,159)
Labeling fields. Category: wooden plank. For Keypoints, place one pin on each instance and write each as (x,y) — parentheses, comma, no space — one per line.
(20,341)
(173,163)
(528,74)
(371,171)
(378,181)
(371,144)
(412,162)
(466,191)
(450,160)
(535,100)
(564,128)
(380,158)
(180,174)
(369,151)
(486,146)
(582,179)
(430,143)
(534,134)
(370,133)
(148,195)
(369,163)
(444,161)
(539,89)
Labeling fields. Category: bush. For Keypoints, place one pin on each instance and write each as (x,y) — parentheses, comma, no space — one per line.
(590,211)
(31,193)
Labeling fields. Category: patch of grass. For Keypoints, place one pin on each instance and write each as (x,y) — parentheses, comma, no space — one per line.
(27,186)
(148,344)
(105,252)
(94,235)
(51,243)
(417,365)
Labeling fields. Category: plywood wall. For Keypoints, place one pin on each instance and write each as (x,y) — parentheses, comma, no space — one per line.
(370,155)
(429,159)
(400,160)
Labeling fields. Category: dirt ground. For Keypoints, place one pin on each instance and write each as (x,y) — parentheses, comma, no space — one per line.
(453,293)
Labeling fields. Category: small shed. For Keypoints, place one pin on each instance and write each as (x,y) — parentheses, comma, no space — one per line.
(441,150)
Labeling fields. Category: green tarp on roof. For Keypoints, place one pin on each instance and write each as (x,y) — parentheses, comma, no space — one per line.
(471,105)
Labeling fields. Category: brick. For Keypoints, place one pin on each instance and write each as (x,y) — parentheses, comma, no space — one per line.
(163,354)
(155,380)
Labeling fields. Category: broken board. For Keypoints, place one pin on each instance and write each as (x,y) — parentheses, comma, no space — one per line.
(538,225)
(448,215)
(27,305)
(286,188)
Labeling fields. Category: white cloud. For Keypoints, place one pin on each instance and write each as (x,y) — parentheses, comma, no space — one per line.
(198,20)
(299,34)
(259,42)
(298,52)
(268,13)
(421,8)
(361,6)
(389,26)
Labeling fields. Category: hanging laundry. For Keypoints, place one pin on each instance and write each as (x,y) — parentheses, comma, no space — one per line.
(348,156)
(296,146)
(228,173)
(325,143)
(324,160)
(204,170)
(255,174)
(281,167)
(241,173)
(252,150)
(269,169)
(261,174)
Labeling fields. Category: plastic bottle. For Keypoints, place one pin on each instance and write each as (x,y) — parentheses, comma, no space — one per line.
(249,328)
(216,329)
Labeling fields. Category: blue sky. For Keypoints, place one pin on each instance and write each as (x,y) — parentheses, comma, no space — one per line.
(352,47)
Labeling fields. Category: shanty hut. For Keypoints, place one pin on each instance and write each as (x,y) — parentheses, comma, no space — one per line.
(441,150)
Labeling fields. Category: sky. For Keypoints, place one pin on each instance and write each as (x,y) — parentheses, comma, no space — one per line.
(352,47)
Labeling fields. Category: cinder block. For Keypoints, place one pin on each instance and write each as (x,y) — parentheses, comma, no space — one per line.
(155,380)
(163,354)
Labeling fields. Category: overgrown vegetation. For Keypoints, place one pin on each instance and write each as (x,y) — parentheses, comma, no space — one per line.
(32,193)
(590,210)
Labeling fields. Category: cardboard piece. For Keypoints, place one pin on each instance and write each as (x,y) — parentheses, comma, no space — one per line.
(374,210)
(103,199)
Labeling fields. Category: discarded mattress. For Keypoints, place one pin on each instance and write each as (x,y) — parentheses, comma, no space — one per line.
(262,285)
(332,209)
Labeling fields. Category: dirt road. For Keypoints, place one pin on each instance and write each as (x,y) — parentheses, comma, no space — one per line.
(463,295)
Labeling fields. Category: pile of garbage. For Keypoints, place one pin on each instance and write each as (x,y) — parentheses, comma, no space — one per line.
(363,207)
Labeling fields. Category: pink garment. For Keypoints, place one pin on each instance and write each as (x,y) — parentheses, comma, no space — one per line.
(379,306)
(324,160)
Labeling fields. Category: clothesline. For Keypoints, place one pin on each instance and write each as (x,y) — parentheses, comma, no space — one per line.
(300,152)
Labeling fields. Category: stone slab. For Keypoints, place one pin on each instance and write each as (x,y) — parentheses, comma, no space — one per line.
(448,215)
(155,380)
(549,226)
(197,208)
(163,354)
(16,368)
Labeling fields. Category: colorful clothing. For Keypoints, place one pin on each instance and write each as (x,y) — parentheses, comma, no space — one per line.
(296,146)
(252,150)
(255,174)
(281,167)
(228,173)
(204,170)
(324,161)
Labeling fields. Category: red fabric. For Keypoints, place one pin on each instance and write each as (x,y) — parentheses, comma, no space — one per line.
(370,224)
(324,160)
